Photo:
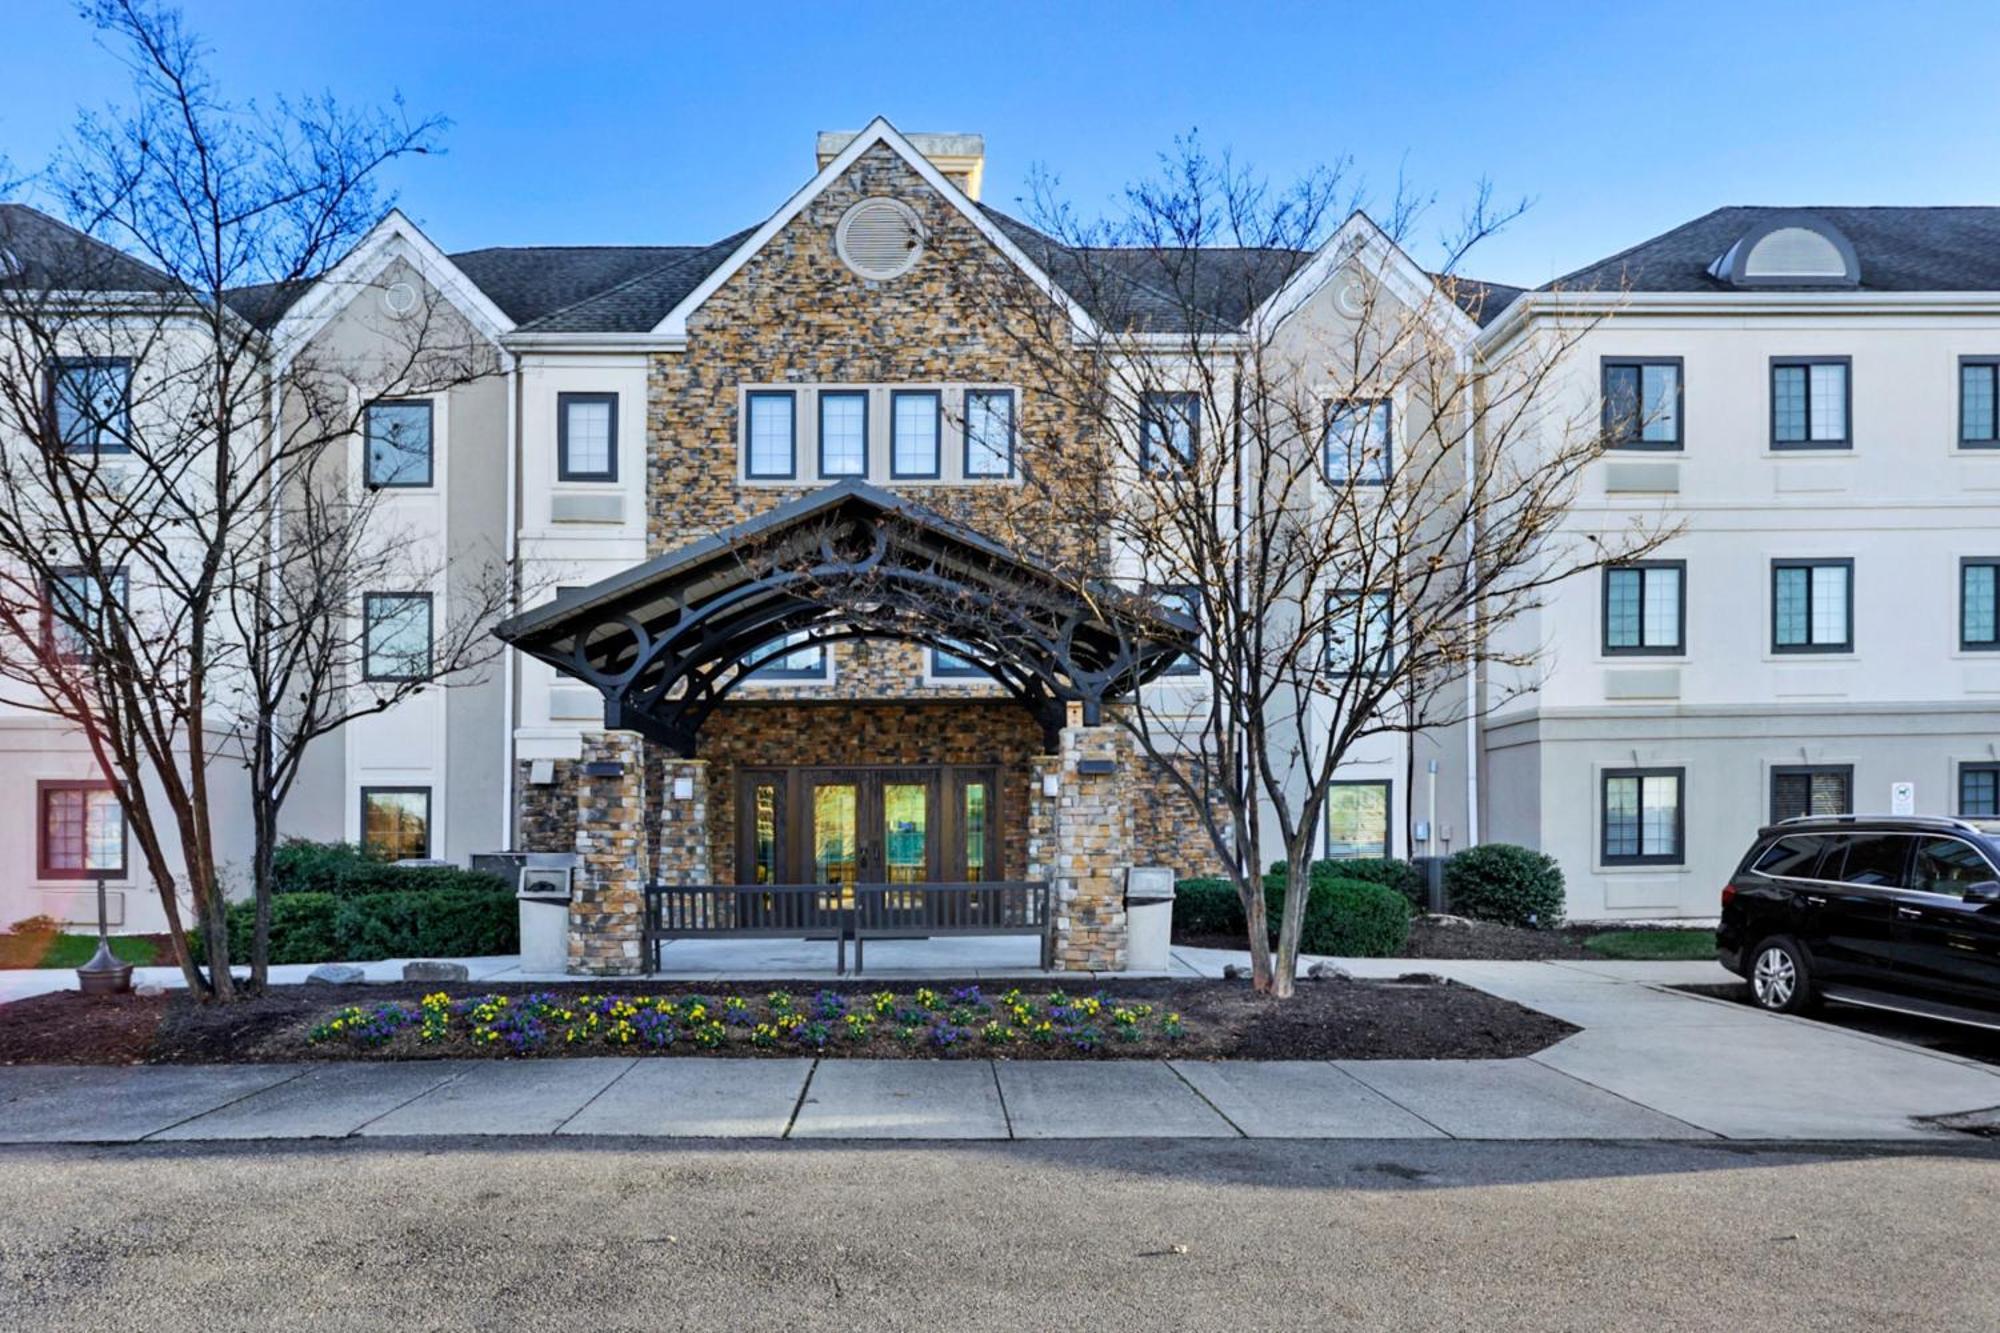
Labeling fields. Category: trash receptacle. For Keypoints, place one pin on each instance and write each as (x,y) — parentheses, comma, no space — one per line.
(544,931)
(1149,918)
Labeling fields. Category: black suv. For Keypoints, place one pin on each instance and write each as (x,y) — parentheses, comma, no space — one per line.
(1894,912)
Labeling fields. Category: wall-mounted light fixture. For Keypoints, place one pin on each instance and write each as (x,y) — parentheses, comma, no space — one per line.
(683,788)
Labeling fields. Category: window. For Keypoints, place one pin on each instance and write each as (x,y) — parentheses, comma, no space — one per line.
(843,434)
(399,444)
(82,831)
(1645,608)
(586,437)
(989,433)
(1948,866)
(396,633)
(1812,606)
(1359,641)
(1358,441)
(1169,430)
(808,663)
(770,437)
(1643,824)
(90,404)
(1642,404)
(1357,820)
(1793,857)
(915,419)
(1876,860)
(1979,790)
(1979,604)
(947,665)
(1811,789)
(396,822)
(1186,600)
(1809,403)
(1979,402)
(75,611)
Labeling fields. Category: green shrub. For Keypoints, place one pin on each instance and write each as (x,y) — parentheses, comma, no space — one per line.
(1208,907)
(301,866)
(432,923)
(1497,881)
(1346,918)
(1390,873)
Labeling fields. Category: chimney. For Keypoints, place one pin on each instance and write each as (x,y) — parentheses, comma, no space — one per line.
(960,158)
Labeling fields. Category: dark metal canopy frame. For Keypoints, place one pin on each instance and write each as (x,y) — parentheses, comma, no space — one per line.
(667,641)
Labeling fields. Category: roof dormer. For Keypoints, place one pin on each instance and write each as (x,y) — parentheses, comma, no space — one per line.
(1790,250)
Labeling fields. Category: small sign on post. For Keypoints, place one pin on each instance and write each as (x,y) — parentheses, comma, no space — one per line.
(1902,798)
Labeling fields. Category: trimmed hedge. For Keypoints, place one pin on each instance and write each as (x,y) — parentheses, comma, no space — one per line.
(1390,873)
(1347,916)
(1497,881)
(429,923)
(301,866)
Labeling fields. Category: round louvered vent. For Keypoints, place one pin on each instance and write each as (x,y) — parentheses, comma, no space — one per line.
(879,238)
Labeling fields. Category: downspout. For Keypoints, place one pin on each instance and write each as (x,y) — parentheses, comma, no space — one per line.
(510,552)
(1475,722)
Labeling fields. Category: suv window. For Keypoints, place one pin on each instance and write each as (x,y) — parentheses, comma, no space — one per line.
(1793,857)
(1946,865)
(1874,859)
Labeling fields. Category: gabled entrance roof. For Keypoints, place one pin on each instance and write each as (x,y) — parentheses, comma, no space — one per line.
(668,640)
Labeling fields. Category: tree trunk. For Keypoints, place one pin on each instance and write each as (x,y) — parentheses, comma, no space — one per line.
(1257,921)
(260,879)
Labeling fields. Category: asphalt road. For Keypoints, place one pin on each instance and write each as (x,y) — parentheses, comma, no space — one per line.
(1127,1235)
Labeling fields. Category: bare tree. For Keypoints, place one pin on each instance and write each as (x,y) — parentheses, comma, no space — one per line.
(183,533)
(1290,432)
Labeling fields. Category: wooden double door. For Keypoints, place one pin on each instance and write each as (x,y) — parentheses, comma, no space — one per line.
(925,824)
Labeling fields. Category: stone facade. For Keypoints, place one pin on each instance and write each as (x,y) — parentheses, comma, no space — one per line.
(545,811)
(680,841)
(1092,840)
(607,901)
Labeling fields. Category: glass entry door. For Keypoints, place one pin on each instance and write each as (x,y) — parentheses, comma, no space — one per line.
(848,826)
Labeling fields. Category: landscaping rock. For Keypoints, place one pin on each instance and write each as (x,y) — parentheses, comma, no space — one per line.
(428,970)
(149,990)
(1231,972)
(1420,979)
(1446,919)
(1328,972)
(335,974)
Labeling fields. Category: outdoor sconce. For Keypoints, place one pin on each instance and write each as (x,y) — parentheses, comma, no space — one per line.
(1051,785)
(683,788)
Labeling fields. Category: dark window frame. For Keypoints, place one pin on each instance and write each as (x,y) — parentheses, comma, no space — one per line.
(43,870)
(770,674)
(896,397)
(820,400)
(1624,444)
(430,446)
(751,398)
(1846,772)
(1388,462)
(1679,648)
(1992,769)
(430,810)
(1388,787)
(1387,657)
(368,601)
(966,671)
(564,471)
(1806,363)
(1605,856)
(54,370)
(1013,433)
(1810,563)
(1991,364)
(1155,407)
(120,579)
(1965,565)
(1185,664)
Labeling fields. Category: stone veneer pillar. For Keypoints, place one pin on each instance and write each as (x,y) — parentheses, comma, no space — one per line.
(607,902)
(1087,830)
(683,823)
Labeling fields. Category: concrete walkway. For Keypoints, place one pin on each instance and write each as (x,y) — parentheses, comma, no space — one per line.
(1650,1063)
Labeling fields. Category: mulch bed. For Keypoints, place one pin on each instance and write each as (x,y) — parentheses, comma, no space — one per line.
(1329,1019)
(1483,940)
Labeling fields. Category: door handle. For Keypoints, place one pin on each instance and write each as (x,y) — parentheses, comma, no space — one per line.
(1815,900)
(1909,913)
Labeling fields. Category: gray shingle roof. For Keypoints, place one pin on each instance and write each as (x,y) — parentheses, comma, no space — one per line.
(39,252)
(1944,249)
(632,304)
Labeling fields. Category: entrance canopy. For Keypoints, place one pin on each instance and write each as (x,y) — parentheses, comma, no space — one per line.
(668,640)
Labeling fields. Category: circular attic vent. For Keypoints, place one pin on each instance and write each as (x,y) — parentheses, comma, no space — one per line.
(879,239)
(399,299)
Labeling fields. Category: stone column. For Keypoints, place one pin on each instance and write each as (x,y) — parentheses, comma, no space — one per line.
(683,799)
(606,921)
(1092,837)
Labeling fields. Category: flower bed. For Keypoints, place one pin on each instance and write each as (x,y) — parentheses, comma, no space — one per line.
(924,1020)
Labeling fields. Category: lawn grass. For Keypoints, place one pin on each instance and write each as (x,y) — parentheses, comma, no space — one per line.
(1653,945)
(74,950)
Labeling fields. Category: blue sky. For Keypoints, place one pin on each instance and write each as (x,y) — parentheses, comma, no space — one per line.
(578,123)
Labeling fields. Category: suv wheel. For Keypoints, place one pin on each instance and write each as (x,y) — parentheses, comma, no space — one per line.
(1780,977)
